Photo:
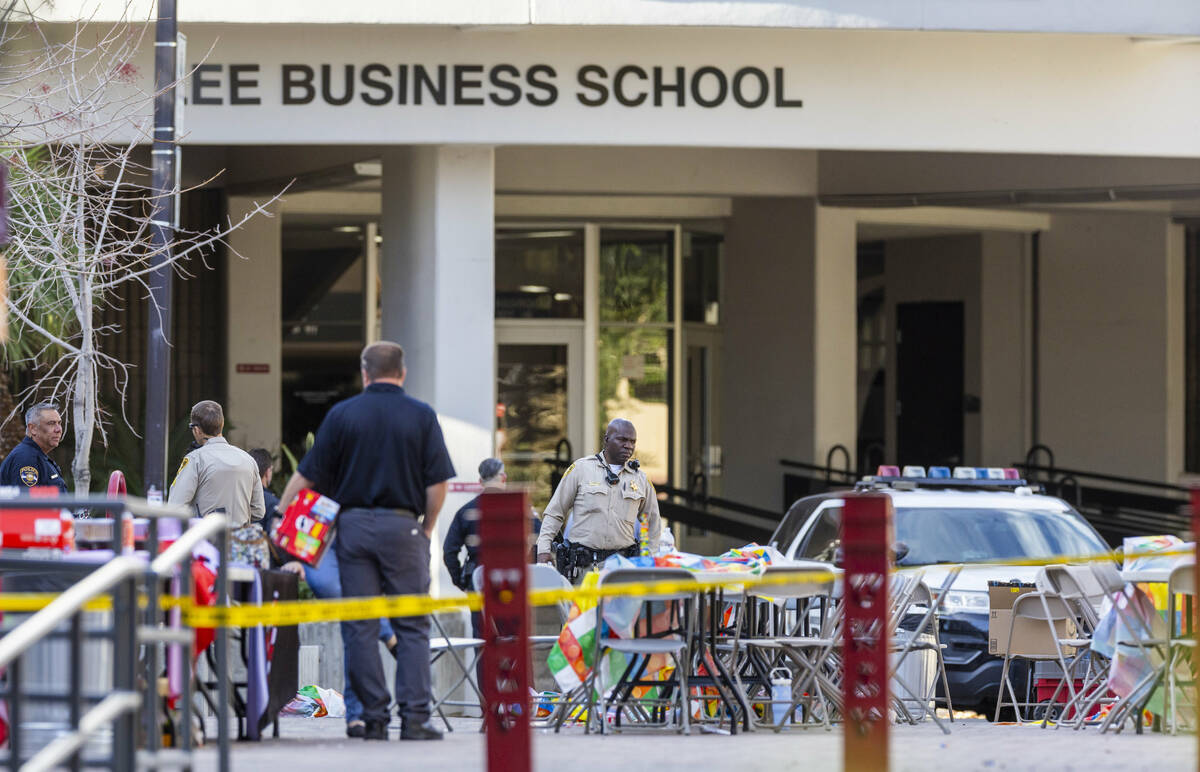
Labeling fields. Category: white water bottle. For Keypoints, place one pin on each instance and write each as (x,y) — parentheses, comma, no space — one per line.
(781,694)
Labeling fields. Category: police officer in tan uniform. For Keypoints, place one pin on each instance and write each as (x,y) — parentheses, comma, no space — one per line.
(609,498)
(217,475)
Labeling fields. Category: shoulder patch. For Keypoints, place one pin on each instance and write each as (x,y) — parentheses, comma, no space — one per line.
(29,476)
(182,464)
(572,466)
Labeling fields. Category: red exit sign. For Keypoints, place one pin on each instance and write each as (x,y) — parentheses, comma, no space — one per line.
(244,367)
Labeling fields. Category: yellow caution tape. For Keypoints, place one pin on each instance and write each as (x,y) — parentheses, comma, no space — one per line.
(24,602)
(288,613)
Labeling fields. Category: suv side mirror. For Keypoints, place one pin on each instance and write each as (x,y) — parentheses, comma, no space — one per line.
(899,551)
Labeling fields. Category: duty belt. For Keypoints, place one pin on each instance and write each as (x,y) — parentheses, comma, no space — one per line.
(574,559)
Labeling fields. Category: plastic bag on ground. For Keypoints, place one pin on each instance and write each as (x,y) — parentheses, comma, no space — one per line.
(316,702)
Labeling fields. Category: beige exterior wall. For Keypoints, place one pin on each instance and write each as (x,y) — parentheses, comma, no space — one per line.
(1110,364)
(767,378)
(788,358)
(254,314)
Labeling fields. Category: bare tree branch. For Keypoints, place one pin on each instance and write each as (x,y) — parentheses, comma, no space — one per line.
(74,116)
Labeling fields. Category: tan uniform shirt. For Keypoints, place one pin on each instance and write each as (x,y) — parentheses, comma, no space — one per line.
(219,475)
(605,516)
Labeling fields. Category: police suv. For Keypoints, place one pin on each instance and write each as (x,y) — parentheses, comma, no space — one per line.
(974,515)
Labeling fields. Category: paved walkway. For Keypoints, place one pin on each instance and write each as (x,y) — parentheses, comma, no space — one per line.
(320,745)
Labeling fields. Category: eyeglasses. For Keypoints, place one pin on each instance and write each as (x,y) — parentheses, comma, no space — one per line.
(193,426)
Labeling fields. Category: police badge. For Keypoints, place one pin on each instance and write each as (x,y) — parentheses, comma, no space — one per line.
(29,476)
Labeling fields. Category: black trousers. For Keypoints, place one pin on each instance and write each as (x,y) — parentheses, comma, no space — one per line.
(383,552)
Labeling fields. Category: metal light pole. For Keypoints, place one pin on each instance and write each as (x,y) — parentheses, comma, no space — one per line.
(158,354)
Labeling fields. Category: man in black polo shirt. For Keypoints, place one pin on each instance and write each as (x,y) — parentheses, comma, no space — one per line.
(382,457)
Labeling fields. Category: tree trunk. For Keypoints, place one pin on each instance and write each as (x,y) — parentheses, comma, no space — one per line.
(84,418)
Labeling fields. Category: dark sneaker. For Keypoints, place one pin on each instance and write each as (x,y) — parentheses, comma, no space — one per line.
(355,729)
(375,730)
(414,731)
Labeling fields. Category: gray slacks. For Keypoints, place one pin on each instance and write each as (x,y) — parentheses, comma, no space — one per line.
(383,552)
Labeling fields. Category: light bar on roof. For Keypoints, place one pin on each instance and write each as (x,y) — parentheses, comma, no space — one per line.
(913,471)
(939,472)
(965,473)
(1011,474)
(887,471)
(995,473)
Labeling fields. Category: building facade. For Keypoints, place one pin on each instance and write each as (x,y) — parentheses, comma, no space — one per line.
(920,232)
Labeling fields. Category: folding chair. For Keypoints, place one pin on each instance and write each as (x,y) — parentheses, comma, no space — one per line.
(542,576)
(1084,597)
(1181,642)
(1149,644)
(674,641)
(924,637)
(776,638)
(1045,645)
(442,645)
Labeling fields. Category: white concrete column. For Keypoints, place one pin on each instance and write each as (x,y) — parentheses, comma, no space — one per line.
(438,270)
(835,333)
(254,320)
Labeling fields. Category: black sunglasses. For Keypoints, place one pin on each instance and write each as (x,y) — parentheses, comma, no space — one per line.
(193,426)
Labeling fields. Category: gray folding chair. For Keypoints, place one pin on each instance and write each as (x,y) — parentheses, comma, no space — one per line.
(924,638)
(542,576)
(1181,644)
(778,640)
(442,646)
(1140,636)
(671,709)
(1084,597)
(1040,643)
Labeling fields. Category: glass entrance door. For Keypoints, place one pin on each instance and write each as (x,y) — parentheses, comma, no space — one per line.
(539,402)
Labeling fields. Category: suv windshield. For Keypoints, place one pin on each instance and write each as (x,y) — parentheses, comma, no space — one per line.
(955,535)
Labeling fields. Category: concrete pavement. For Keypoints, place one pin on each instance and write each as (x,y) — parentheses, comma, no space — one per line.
(320,745)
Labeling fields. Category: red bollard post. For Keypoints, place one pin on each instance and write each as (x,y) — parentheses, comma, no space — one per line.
(503,528)
(866,546)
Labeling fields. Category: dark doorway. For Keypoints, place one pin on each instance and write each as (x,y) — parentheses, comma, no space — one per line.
(929,383)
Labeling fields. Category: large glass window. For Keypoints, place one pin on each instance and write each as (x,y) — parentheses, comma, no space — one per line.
(702,277)
(635,276)
(539,274)
(635,339)
(321,283)
(531,412)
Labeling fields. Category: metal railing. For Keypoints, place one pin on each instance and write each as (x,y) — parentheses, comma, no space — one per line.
(124,577)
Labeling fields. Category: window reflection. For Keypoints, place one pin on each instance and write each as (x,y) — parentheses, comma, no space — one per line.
(635,384)
(635,275)
(531,412)
(539,274)
(702,277)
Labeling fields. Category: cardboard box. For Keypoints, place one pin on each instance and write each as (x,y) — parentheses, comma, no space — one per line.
(307,527)
(1030,636)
